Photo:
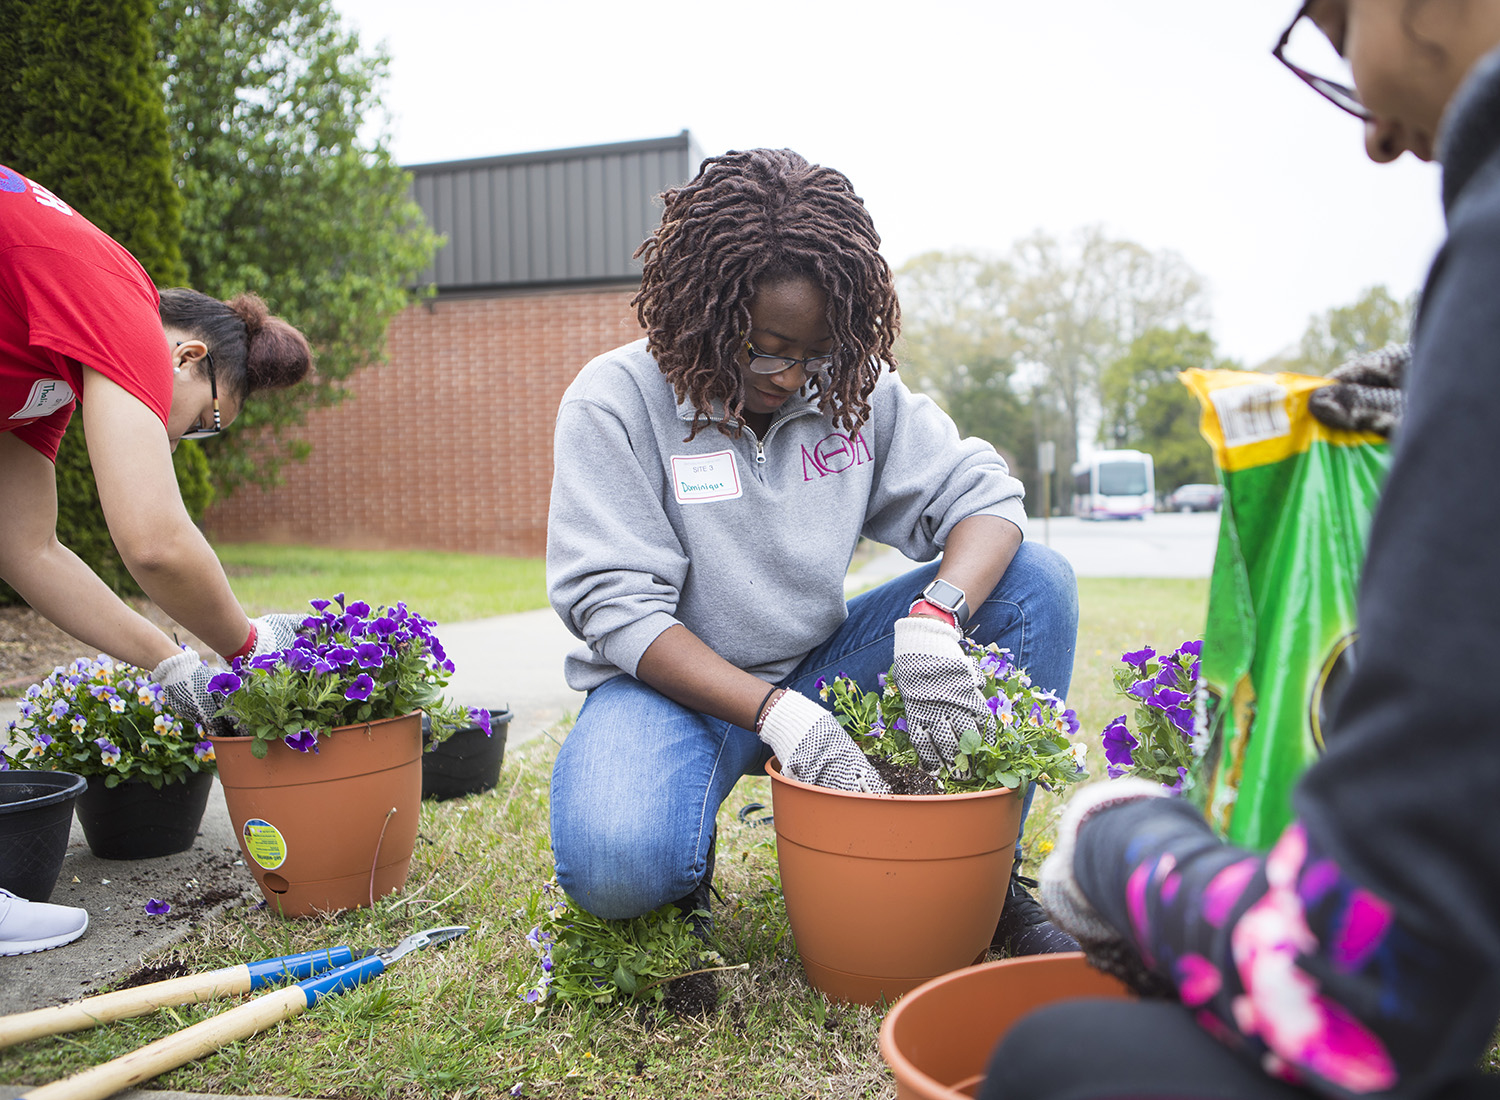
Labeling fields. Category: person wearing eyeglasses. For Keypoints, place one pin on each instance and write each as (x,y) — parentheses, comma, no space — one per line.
(1360,956)
(711,483)
(83,327)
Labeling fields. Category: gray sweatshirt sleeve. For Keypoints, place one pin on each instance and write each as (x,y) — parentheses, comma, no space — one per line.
(928,479)
(615,566)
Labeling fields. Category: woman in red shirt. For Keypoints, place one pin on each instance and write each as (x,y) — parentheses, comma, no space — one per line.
(81,324)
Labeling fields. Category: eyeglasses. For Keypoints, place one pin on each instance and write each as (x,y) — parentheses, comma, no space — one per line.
(761,363)
(1340,95)
(213,388)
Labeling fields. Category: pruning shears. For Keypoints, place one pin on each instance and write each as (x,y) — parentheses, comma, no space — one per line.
(326,976)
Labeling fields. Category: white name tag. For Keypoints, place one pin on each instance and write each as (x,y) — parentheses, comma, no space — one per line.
(47,396)
(699,479)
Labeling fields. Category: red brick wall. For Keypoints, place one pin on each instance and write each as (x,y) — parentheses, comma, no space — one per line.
(449,445)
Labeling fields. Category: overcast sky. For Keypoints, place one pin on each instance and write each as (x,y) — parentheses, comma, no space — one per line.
(963,125)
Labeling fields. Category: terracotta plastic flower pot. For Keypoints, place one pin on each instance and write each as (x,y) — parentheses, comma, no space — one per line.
(36,814)
(467,762)
(134,820)
(887,891)
(332,829)
(939,1037)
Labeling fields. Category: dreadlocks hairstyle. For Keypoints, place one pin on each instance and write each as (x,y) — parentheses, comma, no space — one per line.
(748,220)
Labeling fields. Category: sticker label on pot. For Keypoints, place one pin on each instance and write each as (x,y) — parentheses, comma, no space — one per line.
(265,843)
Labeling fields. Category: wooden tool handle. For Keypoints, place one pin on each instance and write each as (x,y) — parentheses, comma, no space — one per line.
(175,1050)
(123,1004)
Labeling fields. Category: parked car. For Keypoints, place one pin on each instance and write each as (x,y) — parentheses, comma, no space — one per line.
(1194,498)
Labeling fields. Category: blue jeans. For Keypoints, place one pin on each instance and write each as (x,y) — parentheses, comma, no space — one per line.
(639,780)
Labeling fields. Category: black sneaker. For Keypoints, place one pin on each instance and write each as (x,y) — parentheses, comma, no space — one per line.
(695,906)
(1023,928)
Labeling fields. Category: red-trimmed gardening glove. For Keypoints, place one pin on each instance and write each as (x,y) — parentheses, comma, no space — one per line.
(814,748)
(273,633)
(939,685)
(184,681)
(1106,948)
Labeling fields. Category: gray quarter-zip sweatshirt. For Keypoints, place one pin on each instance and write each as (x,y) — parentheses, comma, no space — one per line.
(744,541)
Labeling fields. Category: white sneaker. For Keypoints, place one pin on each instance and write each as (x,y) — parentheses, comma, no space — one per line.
(27,926)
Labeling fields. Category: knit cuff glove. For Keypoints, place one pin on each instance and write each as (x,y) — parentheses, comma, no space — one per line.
(273,633)
(1366,394)
(184,681)
(939,685)
(1064,899)
(814,748)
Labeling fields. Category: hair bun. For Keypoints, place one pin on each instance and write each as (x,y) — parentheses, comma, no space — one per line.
(250,309)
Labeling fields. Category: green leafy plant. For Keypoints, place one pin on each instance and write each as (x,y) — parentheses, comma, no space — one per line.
(348,665)
(1026,740)
(583,959)
(101,718)
(1168,738)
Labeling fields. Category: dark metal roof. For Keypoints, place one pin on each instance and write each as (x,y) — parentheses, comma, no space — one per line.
(565,215)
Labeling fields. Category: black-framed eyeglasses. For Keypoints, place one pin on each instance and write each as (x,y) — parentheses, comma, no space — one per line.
(762,363)
(1340,95)
(213,388)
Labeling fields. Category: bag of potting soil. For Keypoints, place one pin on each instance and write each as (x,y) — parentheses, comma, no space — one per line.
(1278,645)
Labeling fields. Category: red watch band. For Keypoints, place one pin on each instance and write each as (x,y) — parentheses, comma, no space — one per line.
(244,650)
(933,611)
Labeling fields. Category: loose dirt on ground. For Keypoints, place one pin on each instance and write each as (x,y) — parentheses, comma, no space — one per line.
(31,647)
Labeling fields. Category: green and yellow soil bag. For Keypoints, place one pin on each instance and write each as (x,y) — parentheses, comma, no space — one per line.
(1298,496)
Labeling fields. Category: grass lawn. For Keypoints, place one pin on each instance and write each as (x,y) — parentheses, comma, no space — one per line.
(442,586)
(449,1022)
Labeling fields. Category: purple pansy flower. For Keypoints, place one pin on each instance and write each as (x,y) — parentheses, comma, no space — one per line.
(370,654)
(157,907)
(1194,647)
(340,655)
(304,740)
(481,718)
(361,687)
(225,683)
(1119,746)
(1138,657)
(319,605)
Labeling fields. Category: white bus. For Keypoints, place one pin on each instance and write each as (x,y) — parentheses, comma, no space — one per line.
(1114,485)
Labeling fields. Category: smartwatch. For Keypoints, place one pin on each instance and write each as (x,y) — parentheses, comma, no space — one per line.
(950,598)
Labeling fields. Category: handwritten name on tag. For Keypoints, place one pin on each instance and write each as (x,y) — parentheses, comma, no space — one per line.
(702,479)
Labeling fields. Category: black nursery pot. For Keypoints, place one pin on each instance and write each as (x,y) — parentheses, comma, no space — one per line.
(36,814)
(138,821)
(466,763)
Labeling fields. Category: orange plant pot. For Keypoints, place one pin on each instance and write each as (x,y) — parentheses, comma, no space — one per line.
(887,891)
(332,829)
(939,1037)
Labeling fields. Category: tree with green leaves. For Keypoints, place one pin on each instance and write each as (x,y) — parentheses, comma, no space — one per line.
(288,192)
(1147,408)
(1077,305)
(1333,337)
(956,347)
(83,116)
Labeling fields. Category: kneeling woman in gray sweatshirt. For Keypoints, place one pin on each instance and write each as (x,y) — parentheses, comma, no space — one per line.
(711,483)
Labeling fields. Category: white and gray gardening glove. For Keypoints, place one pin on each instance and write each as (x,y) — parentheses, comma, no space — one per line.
(939,684)
(814,748)
(273,633)
(184,680)
(1064,899)
(1367,393)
